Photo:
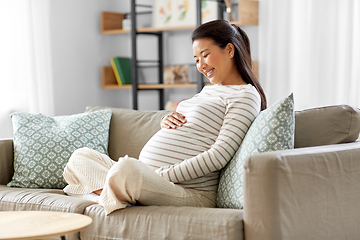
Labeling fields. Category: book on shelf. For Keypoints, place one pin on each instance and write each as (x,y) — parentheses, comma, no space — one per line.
(122,69)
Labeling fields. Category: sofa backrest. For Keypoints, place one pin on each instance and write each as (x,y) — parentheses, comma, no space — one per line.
(130,130)
(326,125)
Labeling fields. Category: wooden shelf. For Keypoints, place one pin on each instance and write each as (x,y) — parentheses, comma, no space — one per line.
(115,86)
(111,21)
(151,86)
(162,86)
(108,81)
(114,31)
(152,29)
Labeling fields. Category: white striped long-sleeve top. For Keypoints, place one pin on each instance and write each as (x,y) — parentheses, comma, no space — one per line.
(217,120)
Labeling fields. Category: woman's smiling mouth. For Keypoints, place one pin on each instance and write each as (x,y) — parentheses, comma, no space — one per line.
(209,73)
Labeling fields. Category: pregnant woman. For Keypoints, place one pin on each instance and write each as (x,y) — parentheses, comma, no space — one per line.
(180,164)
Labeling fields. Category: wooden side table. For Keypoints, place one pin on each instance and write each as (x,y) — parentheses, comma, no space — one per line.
(40,224)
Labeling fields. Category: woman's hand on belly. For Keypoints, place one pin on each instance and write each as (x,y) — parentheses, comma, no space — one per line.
(173,120)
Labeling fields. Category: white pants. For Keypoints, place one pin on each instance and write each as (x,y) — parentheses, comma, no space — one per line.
(127,181)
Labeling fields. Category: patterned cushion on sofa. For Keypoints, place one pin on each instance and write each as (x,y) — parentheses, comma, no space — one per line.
(43,145)
(273,129)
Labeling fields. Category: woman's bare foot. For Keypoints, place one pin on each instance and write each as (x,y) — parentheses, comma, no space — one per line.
(98,192)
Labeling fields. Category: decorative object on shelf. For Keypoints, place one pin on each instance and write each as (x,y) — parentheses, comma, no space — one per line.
(126,24)
(178,74)
(122,69)
(172,13)
(228,4)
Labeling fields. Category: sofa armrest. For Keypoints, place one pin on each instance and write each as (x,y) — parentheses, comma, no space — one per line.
(6,160)
(308,193)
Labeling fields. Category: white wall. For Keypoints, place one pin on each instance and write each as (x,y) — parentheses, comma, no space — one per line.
(79,50)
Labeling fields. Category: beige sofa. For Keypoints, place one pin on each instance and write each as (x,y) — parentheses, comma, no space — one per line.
(310,192)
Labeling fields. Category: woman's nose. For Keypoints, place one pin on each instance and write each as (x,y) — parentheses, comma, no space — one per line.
(201,65)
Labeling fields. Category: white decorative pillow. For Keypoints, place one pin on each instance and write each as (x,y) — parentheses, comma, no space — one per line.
(43,145)
(273,129)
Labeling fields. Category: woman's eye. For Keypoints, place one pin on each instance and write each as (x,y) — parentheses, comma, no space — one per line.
(206,55)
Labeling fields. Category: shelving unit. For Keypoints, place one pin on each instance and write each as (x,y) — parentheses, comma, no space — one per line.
(111,23)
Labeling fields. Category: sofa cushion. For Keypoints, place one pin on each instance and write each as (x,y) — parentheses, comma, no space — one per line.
(326,125)
(272,129)
(43,145)
(25,199)
(164,222)
(130,130)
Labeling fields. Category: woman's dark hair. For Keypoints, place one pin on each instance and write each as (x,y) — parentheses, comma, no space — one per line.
(222,33)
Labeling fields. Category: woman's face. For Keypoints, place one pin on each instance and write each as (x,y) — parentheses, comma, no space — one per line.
(215,63)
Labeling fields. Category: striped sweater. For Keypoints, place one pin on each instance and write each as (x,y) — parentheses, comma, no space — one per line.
(217,120)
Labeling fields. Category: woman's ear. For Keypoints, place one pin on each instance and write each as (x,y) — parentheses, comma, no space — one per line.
(230,49)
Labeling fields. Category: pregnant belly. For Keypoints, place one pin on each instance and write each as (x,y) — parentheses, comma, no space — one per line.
(170,146)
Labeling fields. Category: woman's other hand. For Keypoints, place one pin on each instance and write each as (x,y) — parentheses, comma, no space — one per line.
(173,120)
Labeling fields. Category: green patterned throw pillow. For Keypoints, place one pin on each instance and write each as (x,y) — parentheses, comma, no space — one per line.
(273,129)
(43,145)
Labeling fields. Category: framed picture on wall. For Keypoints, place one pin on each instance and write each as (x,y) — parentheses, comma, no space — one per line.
(162,13)
(209,11)
(172,13)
